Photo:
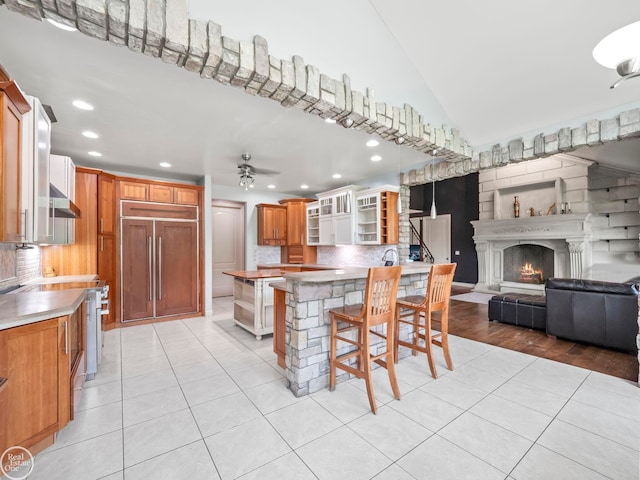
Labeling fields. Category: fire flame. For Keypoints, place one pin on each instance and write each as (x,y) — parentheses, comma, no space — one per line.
(528,273)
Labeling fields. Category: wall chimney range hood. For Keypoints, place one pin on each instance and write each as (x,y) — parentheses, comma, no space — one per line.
(61,206)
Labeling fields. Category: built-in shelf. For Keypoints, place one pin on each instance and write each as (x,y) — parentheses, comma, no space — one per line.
(540,196)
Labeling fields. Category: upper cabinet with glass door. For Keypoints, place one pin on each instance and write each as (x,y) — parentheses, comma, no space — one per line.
(337,215)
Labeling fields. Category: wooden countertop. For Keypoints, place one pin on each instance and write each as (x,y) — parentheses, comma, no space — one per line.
(256,274)
(19,309)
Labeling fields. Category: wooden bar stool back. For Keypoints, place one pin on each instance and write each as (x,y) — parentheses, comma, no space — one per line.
(420,309)
(361,320)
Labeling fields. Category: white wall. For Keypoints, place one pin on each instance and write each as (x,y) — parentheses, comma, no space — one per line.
(250,198)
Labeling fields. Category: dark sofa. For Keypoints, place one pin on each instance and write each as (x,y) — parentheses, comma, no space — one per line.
(590,311)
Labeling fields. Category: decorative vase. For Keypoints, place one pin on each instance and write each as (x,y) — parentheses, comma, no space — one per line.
(516,207)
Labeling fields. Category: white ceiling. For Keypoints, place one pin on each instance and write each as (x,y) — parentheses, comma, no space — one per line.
(494,70)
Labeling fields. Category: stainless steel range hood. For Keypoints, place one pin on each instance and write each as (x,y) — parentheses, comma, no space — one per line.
(61,206)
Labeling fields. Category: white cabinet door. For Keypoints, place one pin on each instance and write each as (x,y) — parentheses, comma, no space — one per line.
(368,220)
(313,224)
(41,185)
(343,225)
(36,140)
(326,231)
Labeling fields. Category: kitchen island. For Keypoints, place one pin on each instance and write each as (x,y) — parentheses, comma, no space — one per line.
(303,349)
(253,299)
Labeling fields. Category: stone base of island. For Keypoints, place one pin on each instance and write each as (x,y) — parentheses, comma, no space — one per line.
(302,324)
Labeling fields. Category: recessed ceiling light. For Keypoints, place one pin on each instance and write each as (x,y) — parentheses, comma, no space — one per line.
(82,105)
(90,134)
(304,186)
(95,154)
(376,158)
(337,175)
(372,143)
(62,26)
(329,120)
(165,164)
(271,185)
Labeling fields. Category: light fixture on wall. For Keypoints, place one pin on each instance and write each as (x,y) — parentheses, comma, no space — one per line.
(621,50)
(434,213)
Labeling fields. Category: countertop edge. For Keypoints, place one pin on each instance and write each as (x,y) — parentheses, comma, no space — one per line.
(349,273)
(46,314)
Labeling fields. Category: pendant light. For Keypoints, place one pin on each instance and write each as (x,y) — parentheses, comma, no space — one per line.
(434,214)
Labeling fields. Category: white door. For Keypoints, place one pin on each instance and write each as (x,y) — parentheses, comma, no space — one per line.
(437,236)
(228,244)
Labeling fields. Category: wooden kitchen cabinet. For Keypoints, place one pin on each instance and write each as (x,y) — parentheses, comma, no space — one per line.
(186,196)
(279,324)
(137,269)
(13,105)
(297,250)
(106,258)
(169,194)
(106,204)
(37,398)
(133,190)
(158,192)
(160,261)
(272,224)
(176,268)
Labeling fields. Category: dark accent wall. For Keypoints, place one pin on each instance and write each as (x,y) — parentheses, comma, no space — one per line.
(458,197)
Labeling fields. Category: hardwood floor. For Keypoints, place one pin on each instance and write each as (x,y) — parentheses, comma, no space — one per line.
(470,320)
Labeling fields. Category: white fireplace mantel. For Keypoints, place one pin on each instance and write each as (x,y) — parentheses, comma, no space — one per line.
(569,236)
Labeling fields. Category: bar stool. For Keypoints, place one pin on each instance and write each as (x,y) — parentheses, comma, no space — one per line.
(379,308)
(419,306)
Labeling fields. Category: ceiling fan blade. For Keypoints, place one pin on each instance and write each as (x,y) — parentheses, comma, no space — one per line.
(264,171)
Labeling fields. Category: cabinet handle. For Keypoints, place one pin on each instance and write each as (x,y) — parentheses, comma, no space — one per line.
(150,267)
(24,225)
(102,225)
(53,220)
(101,243)
(159,268)
(275,233)
(66,339)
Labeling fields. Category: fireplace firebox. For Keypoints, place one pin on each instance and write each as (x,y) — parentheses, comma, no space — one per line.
(527,263)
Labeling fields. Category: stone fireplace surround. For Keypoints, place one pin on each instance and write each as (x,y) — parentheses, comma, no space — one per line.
(569,236)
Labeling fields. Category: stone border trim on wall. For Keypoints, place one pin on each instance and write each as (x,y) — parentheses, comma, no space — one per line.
(162,29)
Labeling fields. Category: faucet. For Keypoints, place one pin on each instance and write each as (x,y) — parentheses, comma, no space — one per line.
(386,260)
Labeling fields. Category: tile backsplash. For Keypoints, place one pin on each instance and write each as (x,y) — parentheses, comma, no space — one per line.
(357,255)
(266,254)
(347,255)
(18,266)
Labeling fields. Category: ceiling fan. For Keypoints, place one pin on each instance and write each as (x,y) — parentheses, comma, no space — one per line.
(248,172)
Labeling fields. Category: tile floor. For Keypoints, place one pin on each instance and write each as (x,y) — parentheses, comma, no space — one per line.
(202,399)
